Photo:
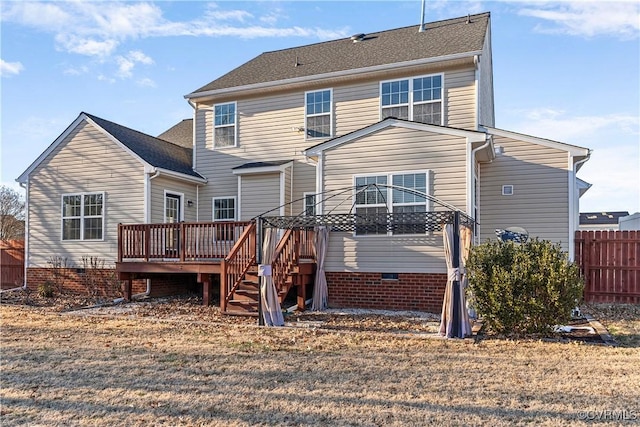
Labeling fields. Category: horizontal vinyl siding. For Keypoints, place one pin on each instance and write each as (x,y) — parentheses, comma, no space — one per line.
(485,85)
(393,150)
(540,202)
(86,161)
(172,185)
(260,193)
(461,99)
(265,134)
(265,130)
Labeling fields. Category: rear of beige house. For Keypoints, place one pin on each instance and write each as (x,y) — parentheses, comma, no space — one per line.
(267,130)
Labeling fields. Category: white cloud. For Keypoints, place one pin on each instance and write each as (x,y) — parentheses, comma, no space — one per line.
(587,18)
(96,29)
(73,71)
(128,62)
(8,69)
(146,82)
(557,125)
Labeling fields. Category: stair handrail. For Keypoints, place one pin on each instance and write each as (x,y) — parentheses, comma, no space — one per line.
(244,246)
(283,257)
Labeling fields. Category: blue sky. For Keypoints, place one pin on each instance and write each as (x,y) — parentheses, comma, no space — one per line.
(567,71)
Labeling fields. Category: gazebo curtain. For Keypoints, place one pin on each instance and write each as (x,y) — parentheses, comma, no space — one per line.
(454,322)
(320,291)
(271,311)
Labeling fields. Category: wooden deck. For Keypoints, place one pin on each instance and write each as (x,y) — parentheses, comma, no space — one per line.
(206,248)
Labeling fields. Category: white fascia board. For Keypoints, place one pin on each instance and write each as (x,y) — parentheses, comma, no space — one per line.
(335,74)
(472,136)
(263,169)
(181,176)
(574,150)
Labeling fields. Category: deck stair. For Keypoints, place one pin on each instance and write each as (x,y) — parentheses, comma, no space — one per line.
(293,266)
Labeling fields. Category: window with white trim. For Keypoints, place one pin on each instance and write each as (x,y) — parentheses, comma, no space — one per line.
(83,216)
(224,125)
(418,99)
(224,208)
(373,203)
(318,114)
(309,204)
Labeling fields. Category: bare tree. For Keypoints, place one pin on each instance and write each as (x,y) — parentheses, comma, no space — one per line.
(11,214)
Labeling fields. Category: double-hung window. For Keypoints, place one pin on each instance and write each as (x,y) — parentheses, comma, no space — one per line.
(83,216)
(371,204)
(224,125)
(318,114)
(309,204)
(224,208)
(398,208)
(418,99)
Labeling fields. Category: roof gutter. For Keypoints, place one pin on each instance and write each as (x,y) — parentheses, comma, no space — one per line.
(334,74)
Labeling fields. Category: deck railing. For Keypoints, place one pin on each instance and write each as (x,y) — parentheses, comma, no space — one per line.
(236,264)
(182,241)
(294,246)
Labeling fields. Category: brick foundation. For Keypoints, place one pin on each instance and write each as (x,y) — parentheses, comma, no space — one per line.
(411,291)
(102,282)
(99,282)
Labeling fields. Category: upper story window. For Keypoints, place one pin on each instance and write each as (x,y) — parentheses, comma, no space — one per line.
(224,125)
(396,209)
(418,99)
(318,114)
(82,216)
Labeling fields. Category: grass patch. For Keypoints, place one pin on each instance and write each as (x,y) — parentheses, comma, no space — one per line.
(60,369)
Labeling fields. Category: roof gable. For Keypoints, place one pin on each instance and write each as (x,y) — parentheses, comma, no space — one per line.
(150,151)
(572,149)
(440,39)
(473,136)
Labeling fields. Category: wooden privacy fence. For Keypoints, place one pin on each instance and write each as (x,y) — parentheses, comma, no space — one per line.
(11,263)
(610,264)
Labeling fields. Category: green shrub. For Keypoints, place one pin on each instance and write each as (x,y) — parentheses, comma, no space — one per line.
(46,289)
(523,288)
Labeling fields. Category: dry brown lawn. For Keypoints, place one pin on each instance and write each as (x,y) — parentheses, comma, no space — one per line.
(136,369)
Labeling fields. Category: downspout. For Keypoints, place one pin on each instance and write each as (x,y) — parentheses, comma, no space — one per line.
(573,197)
(472,175)
(26,244)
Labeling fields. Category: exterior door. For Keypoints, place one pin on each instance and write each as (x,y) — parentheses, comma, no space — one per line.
(172,214)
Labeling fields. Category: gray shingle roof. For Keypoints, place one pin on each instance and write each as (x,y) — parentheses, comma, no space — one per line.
(156,152)
(601,218)
(442,38)
(253,165)
(180,134)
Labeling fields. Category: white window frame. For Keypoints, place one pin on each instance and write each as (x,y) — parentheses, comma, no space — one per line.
(307,115)
(234,125)
(164,203)
(411,103)
(82,216)
(305,206)
(389,196)
(235,208)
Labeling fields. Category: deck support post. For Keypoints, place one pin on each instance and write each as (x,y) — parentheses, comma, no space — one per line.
(126,288)
(206,289)
(302,296)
